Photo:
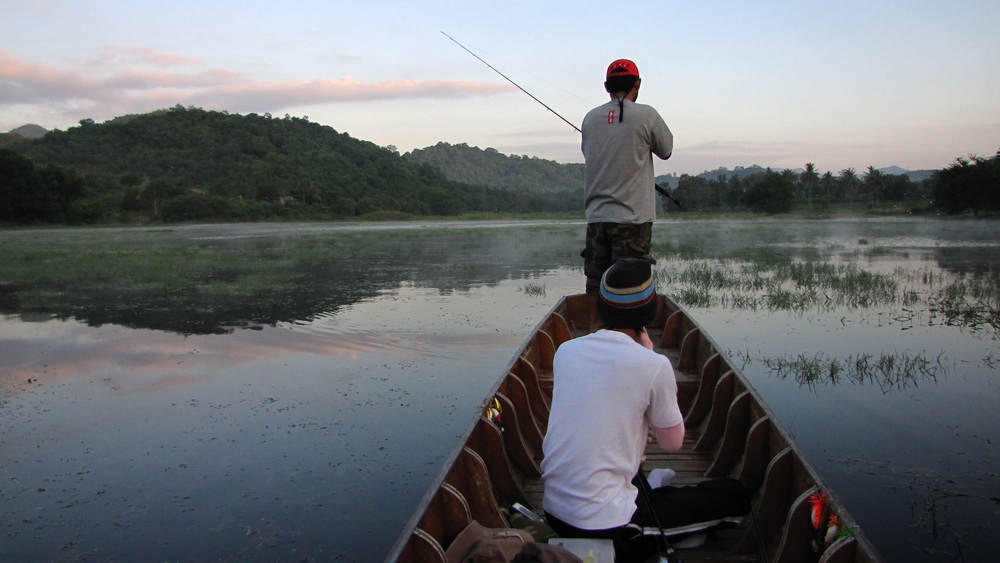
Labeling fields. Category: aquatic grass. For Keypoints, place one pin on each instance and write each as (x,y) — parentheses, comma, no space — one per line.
(890,372)
(694,297)
(533,289)
(791,300)
(808,371)
(969,302)
(740,301)
(785,284)
(762,279)
(876,252)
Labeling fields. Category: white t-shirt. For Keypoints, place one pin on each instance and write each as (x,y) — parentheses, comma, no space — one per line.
(608,390)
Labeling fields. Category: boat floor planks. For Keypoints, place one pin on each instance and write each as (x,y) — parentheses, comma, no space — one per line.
(730,432)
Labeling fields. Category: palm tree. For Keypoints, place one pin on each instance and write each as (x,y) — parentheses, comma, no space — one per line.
(874,182)
(827,181)
(849,177)
(808,178)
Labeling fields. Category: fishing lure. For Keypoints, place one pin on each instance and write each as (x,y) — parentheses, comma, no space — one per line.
(818,503)
(493,411)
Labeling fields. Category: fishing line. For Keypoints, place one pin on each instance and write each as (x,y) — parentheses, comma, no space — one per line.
(554,112)
(662,191)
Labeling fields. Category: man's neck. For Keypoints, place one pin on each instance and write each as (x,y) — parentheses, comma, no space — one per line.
(630,332)
(631,96)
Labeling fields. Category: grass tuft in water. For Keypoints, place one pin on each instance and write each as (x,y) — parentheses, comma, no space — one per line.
(533,289)
(890,372)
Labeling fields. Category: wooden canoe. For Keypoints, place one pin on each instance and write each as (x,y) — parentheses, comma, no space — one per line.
(731,432)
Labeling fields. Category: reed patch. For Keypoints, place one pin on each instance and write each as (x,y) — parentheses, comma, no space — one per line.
(758,279)
(889,372)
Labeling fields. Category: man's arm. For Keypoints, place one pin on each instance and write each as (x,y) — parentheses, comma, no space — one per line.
(670,439)
(663,139)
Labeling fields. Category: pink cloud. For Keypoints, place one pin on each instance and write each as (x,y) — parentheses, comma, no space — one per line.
(26,82)
(129,54)
(263,96)
(122,82)
(134,79)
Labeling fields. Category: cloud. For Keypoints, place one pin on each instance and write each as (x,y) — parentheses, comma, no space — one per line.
(340,58)
(113,54)
(268,96)
(136,79)
(27,81)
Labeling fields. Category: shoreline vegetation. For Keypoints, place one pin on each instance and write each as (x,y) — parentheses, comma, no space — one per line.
(841,213)
(182,165)
(154,265)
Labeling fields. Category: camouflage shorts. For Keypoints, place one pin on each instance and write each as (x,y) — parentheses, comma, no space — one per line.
(608,243)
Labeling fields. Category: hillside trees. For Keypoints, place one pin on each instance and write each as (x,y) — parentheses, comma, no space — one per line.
(191,164)
(489,167)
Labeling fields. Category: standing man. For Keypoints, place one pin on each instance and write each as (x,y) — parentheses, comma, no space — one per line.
(619,141)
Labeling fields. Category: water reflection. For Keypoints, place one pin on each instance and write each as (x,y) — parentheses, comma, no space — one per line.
(331,268)
(139,423)
(307,440)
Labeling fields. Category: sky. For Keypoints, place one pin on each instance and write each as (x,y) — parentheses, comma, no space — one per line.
(847,84)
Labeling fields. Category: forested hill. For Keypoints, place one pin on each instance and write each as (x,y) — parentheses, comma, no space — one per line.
(192,164)
(488,167)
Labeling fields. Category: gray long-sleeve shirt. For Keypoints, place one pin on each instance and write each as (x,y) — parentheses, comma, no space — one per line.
(618,178)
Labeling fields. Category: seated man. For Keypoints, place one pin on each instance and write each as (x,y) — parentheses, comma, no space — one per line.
(611,388)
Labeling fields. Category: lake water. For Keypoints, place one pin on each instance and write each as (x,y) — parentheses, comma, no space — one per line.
(304,421)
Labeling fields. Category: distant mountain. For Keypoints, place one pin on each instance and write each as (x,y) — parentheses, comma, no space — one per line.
(489,167)
(918,175)
(893,170)
(21,134)
(30,131)
(673,180)
(738,172)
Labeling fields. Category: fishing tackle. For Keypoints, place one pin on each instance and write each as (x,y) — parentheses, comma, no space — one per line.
(662,191)
(568,122)
(494,411)
(818,503)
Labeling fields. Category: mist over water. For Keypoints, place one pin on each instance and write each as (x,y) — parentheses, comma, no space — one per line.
(303,415)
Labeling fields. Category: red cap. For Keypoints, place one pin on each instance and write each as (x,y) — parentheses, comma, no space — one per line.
(622,67)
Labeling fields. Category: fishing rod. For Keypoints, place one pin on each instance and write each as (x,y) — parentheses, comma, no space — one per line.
(662,191)
(554,112)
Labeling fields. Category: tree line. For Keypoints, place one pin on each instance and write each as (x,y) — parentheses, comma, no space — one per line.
(971,184)
(772,191)
(189,164)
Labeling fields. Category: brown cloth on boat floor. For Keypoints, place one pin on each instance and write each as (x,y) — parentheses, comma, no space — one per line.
(479,544)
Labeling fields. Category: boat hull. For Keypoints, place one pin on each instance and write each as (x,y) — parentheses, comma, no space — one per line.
(730,432)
